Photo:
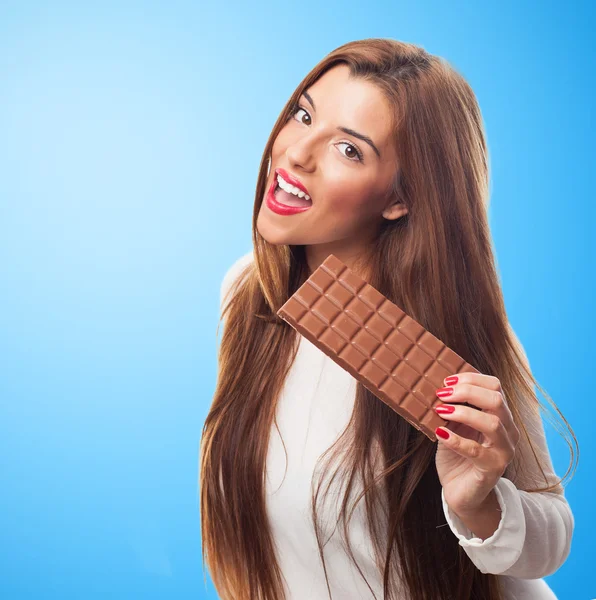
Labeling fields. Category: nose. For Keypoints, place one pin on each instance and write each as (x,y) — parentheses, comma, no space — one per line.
(301,153)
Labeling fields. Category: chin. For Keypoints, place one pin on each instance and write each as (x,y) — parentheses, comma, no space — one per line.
(272,234)
(278,238)
(269,235)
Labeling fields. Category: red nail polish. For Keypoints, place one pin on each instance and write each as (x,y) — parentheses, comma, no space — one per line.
(444,392)
(442,433)
(444,409)
(451,380)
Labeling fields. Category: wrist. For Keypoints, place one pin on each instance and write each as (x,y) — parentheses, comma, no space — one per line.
(488,505)
(484,519)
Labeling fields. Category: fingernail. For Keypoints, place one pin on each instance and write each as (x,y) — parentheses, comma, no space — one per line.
(444,409)
(450,380)
(443,433)
(444,392)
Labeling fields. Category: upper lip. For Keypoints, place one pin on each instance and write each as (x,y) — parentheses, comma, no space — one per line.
(291,180)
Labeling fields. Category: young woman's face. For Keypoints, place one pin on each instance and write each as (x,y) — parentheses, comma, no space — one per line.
(346,178)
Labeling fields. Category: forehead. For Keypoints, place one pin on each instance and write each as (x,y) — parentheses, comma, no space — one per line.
(346,101)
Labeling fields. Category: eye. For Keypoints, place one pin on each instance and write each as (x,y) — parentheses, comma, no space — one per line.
(296,110)
(359,157)
(358,153)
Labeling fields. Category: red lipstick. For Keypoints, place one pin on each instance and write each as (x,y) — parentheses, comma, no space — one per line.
(292,180)
(278,207)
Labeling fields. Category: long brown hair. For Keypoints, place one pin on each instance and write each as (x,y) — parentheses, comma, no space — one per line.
(437,264)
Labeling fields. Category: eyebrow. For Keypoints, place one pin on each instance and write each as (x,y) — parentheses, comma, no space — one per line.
(347,130)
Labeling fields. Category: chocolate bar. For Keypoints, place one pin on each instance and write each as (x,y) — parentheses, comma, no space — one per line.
(389,352)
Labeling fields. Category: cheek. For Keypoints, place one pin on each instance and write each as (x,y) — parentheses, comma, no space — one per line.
(349,200)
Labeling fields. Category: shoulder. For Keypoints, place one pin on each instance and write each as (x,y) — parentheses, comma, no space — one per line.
(232,275)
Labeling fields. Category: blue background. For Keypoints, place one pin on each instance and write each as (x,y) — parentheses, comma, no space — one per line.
(130,137)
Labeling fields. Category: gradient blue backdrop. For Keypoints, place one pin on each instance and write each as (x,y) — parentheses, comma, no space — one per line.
(130,136)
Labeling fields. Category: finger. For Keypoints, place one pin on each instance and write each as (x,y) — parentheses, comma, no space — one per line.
(488,424)
(480,379)
(485,399)
(465,431)
(486,459)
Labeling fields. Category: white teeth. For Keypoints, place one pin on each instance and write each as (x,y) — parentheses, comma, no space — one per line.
(284,185)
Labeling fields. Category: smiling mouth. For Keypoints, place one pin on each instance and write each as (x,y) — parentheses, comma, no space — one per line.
(288,198)
(285,203)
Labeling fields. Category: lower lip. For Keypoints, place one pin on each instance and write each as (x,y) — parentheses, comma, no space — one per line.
(282,209)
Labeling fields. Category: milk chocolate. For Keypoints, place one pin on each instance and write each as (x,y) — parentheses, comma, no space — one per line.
(386,350)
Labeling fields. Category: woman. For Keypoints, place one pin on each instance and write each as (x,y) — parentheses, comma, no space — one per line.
(382,160)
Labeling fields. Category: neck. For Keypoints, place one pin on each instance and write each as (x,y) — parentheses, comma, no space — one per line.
(355,258)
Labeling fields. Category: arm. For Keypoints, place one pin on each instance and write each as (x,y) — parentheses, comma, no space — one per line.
(533,536)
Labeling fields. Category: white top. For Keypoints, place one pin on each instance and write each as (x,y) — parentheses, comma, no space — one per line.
(532,540)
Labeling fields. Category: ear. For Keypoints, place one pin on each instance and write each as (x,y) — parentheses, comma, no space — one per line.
(395,211)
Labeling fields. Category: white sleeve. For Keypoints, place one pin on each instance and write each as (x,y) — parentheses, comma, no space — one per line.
(533,538)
